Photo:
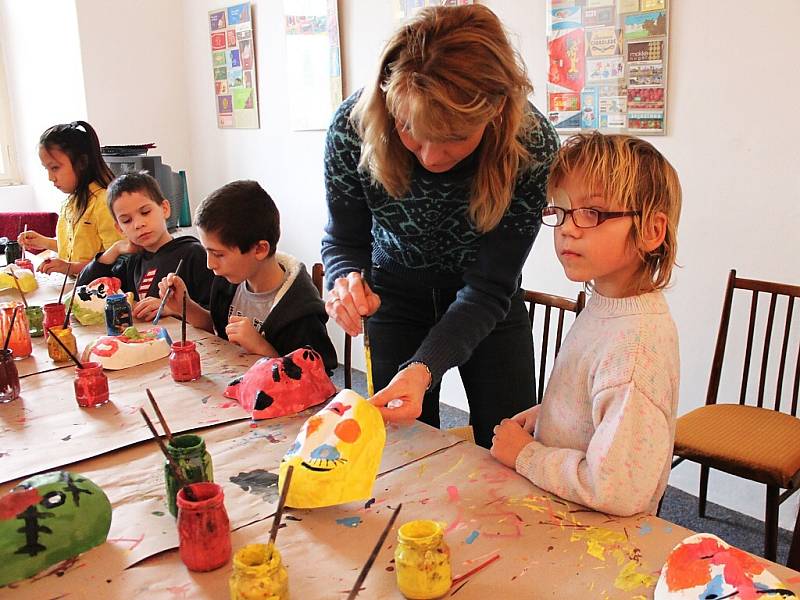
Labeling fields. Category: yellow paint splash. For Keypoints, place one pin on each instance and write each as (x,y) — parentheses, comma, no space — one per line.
(629,578)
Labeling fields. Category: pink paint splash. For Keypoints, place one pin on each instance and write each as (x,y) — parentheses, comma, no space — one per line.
(452,491)
(134,541)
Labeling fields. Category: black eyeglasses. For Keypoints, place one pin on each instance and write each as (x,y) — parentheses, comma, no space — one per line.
(585,218)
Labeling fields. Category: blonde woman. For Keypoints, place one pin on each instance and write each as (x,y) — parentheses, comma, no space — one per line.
(435,179)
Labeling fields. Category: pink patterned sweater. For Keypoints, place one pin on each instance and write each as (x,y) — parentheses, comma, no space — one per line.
(606,425)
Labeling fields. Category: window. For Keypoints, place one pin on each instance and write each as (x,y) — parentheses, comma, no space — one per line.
(8,171)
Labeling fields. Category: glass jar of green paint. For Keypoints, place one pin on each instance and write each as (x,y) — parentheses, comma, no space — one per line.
(189,453)
(35,320)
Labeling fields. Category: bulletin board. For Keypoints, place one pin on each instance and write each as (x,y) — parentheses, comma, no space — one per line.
(233,59)
(608,65)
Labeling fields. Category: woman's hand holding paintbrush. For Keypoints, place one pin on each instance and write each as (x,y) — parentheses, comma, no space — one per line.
(351,299)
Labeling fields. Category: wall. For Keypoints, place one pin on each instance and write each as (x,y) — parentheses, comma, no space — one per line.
(43,66)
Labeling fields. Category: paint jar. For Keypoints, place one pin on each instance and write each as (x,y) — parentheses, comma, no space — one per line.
(184,361)
(118,314)
(204,531)
(258,574)
(422,561)
(55,351)
(20,341)
(91,385)
(13,251)
(9,377)
(25,263)
(55,314)
(35,316)
(190,454)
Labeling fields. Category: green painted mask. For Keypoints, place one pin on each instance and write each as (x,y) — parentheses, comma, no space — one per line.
(49,518)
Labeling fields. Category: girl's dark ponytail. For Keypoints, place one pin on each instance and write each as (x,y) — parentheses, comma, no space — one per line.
(79,141)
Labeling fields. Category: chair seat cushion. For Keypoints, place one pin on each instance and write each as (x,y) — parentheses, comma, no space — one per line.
(757,443)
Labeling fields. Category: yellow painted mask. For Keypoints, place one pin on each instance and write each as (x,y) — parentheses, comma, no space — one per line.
(336,454)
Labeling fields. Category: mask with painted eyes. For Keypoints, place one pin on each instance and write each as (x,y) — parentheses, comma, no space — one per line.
(703,566)
(336,454)
(90,300)
(49,518)
(286,385)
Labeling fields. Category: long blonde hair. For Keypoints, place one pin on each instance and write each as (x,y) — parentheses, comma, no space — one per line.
(447,71)
(631,174)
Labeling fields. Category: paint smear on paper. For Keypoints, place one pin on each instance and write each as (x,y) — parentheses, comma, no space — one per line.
(472,537)
(645,528)
(349,521)
(629,578)
(452,492)
(259,482)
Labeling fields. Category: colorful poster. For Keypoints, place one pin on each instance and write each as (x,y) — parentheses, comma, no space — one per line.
(602,41)
(233,61)
(607,65)
(314,68)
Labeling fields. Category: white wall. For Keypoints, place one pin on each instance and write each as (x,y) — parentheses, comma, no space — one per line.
(43,65)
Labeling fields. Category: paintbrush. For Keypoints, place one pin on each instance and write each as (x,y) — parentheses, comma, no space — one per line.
(176,471)
(183,322)
(161,418)
(19,287)
(64,284)
(166,296)
(367,348)
(10,329)
(67,350)
(368,565)
(276,521)
(24,231)
(71,304)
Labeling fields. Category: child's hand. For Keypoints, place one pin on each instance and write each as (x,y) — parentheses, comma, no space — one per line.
(349,300)
(175,302)
(408,388)
(527,418)
(146,309)
(55,265)
(125,246)
(508,441)
(32,239)
(240,331)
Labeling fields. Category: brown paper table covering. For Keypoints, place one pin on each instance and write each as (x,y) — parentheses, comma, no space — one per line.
(245,456)
(546,547)
(45,428)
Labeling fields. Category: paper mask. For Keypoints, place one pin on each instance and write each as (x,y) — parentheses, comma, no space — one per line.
(274,387)
(49,518)
(26,278)
(133,347)
(90,300)
(336,454)
(703,566)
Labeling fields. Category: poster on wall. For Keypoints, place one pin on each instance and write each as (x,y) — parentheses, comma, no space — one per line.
(608,65)
(406,8)
(233,61)
(313,56)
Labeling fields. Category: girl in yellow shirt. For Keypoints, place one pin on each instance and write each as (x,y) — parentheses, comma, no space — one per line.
(71,155)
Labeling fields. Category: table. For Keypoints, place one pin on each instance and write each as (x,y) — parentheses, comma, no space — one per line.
(546,547)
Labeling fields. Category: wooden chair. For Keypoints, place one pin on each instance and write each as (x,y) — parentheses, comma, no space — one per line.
(549,303)
(759,442)
(318,277)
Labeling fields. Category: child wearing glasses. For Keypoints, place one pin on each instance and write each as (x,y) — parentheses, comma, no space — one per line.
(604,432)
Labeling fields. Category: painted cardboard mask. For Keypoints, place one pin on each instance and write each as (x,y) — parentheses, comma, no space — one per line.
(26,278)
(133,347)
(49,518)
(703,566)
(274,387)
(336,454)
(90,300)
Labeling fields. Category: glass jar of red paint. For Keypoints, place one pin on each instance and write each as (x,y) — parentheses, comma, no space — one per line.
(184,361)
(55,313)
(91,385)
(20,340)
(204,531)
(9,377)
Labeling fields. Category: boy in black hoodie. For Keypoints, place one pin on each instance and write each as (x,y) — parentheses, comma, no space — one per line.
(261,300)
(148,252)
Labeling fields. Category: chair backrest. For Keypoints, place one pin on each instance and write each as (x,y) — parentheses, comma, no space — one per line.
(549,303)
(761,324)
(318,277)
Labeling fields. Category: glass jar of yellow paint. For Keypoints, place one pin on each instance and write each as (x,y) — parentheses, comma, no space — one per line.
(422,561)
(258,574)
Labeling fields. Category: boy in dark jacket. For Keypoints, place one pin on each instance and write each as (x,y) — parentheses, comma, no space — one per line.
(261,300)
(148,252)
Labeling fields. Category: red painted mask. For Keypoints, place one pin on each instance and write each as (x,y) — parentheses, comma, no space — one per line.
(274,387)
